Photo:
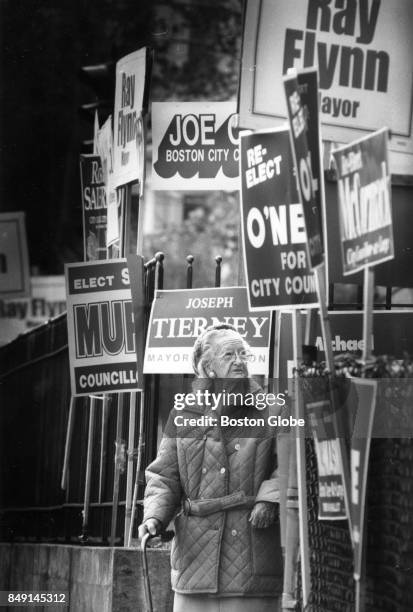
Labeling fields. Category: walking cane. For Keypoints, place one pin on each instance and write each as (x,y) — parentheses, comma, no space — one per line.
(146,582)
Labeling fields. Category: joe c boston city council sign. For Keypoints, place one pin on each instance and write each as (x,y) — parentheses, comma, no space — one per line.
(195,146)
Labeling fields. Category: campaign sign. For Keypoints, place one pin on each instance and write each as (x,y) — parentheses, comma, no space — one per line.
(273,228)
(392,333)
(303,163)
(129,99)
(178,317)
(101,329)
(309,94)
(364,54)
(366,391)
(94,207)
(364,199)
(14,258)
(104,144)
(47,300)
(331,498)
(195,146)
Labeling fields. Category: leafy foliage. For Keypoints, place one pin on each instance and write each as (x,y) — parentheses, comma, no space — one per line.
(206,233)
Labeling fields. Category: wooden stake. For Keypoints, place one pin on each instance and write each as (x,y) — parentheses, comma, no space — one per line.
(68,443)
(309,323)
(117,467)
(324,318)
(129,474)
(368,299)
(138,466)
(368,296)
(338,423)
(301,467)
(136,275)
(88,477)
(103,451)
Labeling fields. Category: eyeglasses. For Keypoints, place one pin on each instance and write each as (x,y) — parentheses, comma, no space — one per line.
(229,356)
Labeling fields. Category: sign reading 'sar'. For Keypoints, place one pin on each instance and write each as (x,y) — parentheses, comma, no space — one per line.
(195,146)
(101,329)
(94,207)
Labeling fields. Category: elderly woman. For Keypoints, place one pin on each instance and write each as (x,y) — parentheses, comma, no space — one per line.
(220,485)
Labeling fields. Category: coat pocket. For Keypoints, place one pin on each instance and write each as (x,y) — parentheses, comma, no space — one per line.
(176,549)
(266,551)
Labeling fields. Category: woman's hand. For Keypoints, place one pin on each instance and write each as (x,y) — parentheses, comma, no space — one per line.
(152,526)
(263,514)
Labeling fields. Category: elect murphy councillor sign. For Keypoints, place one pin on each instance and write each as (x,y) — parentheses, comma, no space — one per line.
(101,329)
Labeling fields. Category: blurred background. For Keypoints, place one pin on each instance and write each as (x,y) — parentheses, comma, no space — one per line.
(47,104)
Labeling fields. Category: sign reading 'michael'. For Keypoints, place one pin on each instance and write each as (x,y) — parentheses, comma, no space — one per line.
(364,53)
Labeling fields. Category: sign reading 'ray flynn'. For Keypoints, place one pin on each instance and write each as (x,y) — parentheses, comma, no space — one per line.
(364,53)
(195,146)
(101,331)
(179,317)
(127,133)
(273,229)
(47,300)
(364,194)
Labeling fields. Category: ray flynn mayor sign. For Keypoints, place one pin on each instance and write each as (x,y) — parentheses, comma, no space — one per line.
(179,317)
(195,146)
(101,328)
(273,227)
(364,196)
(364,53)
(129,94)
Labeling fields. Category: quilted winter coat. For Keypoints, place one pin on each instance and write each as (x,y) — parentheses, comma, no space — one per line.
(219,553)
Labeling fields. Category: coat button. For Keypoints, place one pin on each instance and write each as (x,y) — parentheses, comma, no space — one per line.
(237,446)
(204,470)
(222,470)
(234,532)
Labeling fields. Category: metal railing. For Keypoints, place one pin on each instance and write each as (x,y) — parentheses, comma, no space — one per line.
(44,431)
